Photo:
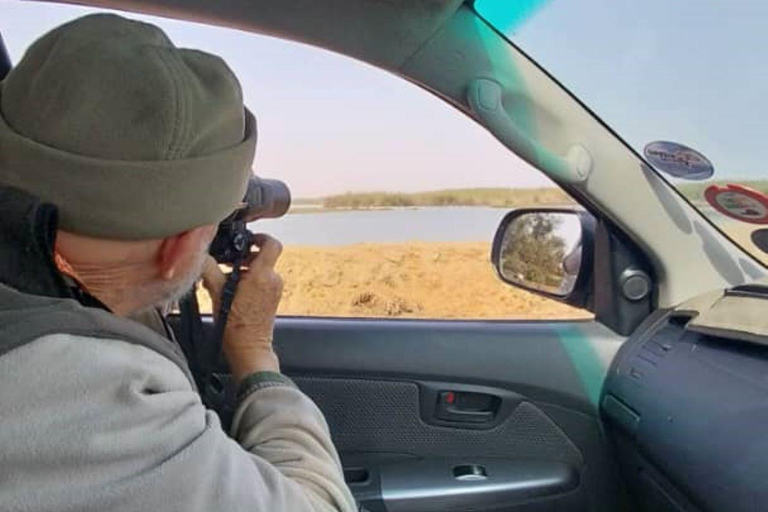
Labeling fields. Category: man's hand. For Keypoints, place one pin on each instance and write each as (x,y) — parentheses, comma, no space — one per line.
(247,342)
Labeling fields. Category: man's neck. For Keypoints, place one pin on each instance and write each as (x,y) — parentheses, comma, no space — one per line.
(108,285)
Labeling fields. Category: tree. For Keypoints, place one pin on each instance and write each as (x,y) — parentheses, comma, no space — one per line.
(533,251)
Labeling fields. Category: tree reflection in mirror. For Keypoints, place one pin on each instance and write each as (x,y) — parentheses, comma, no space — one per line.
(542,251)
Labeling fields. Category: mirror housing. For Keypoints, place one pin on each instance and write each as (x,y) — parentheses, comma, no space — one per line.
(547,251)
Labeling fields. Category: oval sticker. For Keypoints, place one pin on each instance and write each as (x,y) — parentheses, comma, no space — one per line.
(738,202)
(678,160)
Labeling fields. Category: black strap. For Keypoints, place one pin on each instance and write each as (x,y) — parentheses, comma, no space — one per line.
(191,336)
(205,354)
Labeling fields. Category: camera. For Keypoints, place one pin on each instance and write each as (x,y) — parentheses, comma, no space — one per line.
(264,199)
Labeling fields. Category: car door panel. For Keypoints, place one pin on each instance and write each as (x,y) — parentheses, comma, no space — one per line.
(526,456)
(553,362)
(378,383)
(533,444)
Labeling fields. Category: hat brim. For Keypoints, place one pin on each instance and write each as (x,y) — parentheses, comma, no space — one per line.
(129,200)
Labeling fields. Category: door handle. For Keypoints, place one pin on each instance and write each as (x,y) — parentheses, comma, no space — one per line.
(466,407)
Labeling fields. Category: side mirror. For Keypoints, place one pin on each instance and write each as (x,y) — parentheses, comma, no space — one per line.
(548,251)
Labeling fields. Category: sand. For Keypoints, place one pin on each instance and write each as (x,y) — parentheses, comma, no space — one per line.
(405,280)
(414,280)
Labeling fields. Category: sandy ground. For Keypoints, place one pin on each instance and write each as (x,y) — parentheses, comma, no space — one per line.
(417,280)
(413,280)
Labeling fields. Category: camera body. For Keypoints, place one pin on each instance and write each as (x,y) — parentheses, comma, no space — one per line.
(264,199)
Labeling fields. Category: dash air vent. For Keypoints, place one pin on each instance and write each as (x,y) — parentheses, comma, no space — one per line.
(652,352)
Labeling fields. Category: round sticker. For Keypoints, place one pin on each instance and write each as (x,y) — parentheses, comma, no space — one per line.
(738,202)
(760,239)
(678,160)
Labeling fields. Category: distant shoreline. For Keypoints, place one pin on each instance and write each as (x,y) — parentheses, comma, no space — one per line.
(490,197)
(487,197)
(302,210)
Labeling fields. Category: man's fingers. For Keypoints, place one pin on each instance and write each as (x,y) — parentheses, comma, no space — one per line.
(269,251)
(213,277)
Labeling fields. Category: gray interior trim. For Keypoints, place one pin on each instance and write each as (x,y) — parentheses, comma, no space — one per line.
(383,417)
(432,485)
(529,358)
(384,33)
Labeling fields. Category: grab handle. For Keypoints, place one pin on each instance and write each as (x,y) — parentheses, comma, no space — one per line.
(484,96)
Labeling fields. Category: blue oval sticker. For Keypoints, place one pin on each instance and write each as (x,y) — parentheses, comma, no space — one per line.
(678,160)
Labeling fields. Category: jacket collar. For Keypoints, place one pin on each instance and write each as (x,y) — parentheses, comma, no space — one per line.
(27,238)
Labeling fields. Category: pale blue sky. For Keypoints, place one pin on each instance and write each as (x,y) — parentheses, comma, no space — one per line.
(689,71)
(327,123)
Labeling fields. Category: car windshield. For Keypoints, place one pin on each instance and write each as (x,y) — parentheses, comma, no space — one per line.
(684,83)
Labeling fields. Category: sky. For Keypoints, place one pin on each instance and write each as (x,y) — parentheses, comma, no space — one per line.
(686,71)
(327,124)
(689,71)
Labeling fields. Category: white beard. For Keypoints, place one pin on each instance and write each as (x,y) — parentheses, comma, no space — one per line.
(167,293)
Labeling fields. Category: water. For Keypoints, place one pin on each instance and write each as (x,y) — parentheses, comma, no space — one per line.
(450,224)
(397,225)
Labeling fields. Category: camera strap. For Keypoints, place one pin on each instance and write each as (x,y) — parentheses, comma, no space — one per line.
(191,336)
(206,361)
(227,297)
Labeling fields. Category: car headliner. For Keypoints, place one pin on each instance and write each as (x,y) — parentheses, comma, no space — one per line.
(385,33)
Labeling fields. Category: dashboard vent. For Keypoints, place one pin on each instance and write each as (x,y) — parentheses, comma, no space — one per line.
(652,352)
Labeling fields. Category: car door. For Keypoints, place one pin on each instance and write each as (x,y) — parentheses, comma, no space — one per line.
(458,415)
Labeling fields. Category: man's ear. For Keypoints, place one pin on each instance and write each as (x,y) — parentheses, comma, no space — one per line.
(176,250)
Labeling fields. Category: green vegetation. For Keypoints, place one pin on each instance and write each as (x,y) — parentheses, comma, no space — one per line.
(496,197)
(533,252)
(302,201)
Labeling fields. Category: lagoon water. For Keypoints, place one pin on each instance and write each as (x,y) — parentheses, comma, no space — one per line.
(434,224)
(397,225)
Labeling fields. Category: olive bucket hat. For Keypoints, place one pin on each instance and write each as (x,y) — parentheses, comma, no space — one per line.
(128,135)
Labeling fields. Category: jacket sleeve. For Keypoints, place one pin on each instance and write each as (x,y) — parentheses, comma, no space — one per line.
(277,423)
(122,427)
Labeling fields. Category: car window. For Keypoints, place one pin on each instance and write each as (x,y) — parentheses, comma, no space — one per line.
(397,196)
(681,82)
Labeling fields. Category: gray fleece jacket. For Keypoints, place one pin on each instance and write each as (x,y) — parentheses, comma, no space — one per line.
(91,424)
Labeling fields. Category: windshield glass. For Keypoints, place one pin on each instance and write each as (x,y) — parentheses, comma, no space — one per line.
(682,82)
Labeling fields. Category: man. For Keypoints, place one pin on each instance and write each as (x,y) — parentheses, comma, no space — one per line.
(119,155)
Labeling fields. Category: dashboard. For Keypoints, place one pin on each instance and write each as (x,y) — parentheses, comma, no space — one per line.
(687,414)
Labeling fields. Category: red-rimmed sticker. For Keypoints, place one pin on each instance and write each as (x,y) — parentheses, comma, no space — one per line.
(738,202)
